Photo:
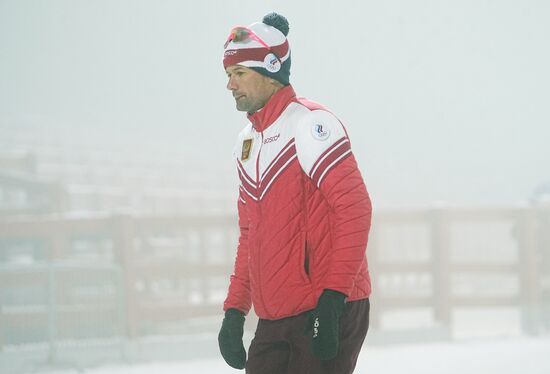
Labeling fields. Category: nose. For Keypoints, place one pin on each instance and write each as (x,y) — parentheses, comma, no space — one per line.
(231,85)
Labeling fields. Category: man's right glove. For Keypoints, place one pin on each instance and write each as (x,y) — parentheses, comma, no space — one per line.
(230,339)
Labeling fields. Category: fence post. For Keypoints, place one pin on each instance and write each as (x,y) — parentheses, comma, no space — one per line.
(440,245)
(123,236)
(58,250)
(203,262)
(52,313)
(529,272)
(543,240)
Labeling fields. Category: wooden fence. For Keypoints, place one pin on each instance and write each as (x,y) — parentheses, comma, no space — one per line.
(66,277)
(458,253)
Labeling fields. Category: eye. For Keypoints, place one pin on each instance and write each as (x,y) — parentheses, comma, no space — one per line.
(236,73)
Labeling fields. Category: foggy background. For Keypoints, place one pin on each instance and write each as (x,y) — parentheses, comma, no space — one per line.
(112,108)
(444,100)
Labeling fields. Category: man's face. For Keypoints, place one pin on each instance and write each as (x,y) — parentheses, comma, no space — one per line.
(251,90)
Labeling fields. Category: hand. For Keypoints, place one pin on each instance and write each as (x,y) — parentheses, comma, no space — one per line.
(230,339)
(324,324)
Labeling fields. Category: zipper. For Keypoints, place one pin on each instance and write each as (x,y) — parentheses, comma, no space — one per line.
(306,264)
(307,254)
(258,160)
(260,217)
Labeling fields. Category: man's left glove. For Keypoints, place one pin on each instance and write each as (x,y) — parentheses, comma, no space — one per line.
(230,339)
(325,324)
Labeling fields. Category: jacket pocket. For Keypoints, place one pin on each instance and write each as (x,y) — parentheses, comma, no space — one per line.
(305,262)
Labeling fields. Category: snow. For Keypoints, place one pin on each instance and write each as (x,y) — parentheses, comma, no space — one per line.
(526,355)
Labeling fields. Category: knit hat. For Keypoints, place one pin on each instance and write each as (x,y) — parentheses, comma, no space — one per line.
(262,46)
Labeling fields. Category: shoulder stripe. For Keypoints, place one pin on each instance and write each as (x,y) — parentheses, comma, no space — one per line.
(329,159)
(326,153)
(332,164)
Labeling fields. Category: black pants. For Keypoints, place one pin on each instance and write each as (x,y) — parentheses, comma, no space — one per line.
(280,347)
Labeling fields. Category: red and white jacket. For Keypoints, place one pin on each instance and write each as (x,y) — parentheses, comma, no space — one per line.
(304,211)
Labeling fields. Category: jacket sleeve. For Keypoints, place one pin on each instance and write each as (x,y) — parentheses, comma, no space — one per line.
(325,155)
(238,295)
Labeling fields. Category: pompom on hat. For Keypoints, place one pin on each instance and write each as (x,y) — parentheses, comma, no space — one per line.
(262,46)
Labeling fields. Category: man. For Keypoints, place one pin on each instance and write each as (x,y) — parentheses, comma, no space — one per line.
(304,218)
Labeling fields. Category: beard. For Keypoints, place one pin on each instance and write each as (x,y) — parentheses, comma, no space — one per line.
(245,104)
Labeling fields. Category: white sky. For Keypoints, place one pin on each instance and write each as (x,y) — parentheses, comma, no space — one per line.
(443,100)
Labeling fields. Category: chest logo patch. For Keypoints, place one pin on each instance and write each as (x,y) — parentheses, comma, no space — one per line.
(320,132)
(245,152)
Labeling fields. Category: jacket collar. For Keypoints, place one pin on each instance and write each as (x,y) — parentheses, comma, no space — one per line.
(263,118)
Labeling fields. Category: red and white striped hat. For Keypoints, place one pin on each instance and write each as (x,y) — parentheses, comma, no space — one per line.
(262,46)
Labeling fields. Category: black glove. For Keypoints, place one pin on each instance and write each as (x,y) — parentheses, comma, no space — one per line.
(324,324)
(230,339)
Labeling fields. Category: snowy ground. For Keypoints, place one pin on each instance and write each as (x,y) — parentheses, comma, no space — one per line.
(525,355)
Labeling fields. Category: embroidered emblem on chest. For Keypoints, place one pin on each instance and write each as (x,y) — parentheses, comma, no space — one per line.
(245,152)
